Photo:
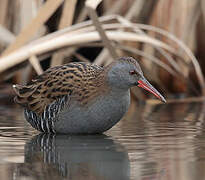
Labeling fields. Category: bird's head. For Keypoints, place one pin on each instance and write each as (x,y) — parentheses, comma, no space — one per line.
(125,73)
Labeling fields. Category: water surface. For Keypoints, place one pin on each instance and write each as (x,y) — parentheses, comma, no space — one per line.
(152,142)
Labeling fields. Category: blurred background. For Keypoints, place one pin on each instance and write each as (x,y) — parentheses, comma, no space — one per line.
(153,141)
(166,36)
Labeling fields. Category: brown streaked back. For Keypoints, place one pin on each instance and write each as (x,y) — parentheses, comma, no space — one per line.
(79,80)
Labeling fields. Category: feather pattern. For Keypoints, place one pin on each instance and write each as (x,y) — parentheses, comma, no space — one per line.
(77,80)
(46,95)
(45,122)
(80,97)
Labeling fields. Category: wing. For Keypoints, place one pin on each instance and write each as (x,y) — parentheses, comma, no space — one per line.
(45,122)
(54,84)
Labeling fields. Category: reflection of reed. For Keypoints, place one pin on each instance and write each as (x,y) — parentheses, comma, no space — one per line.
(75,157)
(163,142)
(171,142)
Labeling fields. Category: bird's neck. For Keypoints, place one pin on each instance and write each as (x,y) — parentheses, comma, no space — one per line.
(112,81)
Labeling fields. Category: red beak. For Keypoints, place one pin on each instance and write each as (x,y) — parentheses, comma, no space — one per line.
(143,83)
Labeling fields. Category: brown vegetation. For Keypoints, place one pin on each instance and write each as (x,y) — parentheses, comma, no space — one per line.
(166,36)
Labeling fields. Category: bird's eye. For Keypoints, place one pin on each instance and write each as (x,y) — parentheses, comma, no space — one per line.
(132,72)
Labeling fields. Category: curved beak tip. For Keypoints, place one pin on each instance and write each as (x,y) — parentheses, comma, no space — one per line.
(163,99)
(147,86)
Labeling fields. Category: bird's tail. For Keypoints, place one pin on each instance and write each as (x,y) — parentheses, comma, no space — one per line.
(22,93)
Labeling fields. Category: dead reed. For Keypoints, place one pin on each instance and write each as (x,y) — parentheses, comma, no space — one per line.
(161,34)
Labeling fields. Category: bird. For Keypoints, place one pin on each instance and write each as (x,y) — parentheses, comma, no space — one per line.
(81,98)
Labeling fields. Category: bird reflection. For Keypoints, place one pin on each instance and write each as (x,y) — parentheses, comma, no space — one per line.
(97,157)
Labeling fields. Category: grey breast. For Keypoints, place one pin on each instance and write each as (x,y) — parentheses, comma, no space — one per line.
(97,117)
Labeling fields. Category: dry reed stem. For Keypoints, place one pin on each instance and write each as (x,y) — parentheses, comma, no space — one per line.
(66,20)
(36,65)
(86,29)
(192,17)
(203,9)
(3,11)
(44,13)
(98,26)
(78,32)
(67,40)
(100,59)
(81,58)
(24,13)
(147,56)
(82,16)
(72,28)
(135,9)
(92,3)
(115,8)
(67,14)
(82,31)
(104,54)
(161,51)
(6,37)
(184,47)
(157,62)
(139,9)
